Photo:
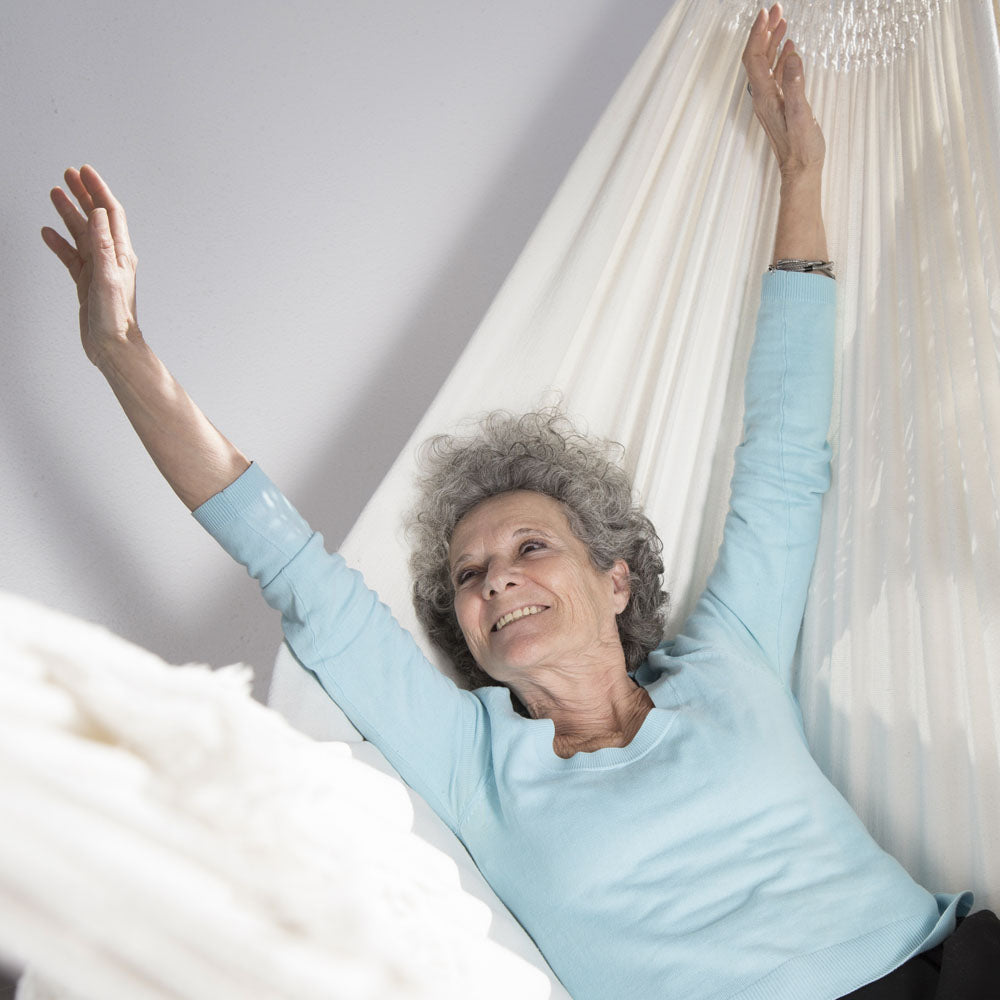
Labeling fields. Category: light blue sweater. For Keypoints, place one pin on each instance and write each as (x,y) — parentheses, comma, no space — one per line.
(709,858)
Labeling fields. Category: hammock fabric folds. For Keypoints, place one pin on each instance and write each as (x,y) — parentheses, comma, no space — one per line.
(633,304)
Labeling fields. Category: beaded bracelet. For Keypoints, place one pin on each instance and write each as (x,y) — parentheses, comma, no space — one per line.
(824,267)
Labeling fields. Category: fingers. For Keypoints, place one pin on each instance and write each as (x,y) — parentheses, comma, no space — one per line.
(67,254)
(765,34)
(70,214)
(101,197)
(761,49)
(777,33)
(82,195)
(72,257)
(92,193)
(102,245)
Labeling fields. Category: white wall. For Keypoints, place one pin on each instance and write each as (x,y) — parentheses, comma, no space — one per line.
(324,197)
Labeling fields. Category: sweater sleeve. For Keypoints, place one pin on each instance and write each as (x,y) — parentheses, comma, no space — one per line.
(424,724)
(757,589)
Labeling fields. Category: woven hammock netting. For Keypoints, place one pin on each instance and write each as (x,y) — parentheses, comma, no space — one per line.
(633,305)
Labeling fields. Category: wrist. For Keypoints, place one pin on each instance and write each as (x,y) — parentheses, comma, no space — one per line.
(110,354)
(800,232)
(801,182)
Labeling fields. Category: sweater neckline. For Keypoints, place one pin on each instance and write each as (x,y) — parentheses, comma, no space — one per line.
(652,730)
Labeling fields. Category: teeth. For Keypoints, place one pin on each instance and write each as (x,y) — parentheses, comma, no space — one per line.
(514,615)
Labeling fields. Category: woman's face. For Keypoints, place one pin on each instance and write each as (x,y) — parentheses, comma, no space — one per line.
(526,592)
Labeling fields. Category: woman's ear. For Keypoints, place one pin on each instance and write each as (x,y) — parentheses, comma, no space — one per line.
(620,576)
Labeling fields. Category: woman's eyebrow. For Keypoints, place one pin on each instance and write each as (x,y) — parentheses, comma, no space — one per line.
(516,533)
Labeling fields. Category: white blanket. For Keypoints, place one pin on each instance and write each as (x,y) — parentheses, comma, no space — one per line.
(166,836)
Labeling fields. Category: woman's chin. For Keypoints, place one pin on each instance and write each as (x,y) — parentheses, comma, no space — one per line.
(514,659)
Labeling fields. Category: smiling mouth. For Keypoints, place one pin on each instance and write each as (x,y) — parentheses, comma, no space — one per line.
(513,616)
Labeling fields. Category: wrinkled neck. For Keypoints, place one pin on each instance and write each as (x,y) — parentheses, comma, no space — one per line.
(589,712)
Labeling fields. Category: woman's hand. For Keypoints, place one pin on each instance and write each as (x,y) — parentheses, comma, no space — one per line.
(779,97)
(194,457)
(102,263)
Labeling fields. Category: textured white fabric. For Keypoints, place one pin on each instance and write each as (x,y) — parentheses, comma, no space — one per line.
(165,836)
(633,303)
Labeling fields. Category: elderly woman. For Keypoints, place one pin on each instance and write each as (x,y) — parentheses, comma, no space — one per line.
(648,811)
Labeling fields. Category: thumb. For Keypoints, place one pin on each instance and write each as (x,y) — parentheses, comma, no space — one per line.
(792,84)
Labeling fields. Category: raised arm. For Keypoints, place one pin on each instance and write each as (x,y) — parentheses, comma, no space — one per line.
(756,593)
(424,725)
(193,456)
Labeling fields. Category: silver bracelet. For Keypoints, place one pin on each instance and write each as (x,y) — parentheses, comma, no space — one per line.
(824,267)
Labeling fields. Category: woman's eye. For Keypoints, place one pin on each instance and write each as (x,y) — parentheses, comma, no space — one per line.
(532,546)
(465,576)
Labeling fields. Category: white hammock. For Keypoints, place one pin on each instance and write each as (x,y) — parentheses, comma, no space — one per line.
(635,301)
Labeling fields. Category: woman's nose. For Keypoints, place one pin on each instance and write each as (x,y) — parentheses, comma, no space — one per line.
(499,577)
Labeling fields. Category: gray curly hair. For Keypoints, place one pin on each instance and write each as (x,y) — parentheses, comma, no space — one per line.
(542,452)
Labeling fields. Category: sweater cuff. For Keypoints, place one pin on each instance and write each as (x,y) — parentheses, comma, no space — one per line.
(797,286)
(251,516)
